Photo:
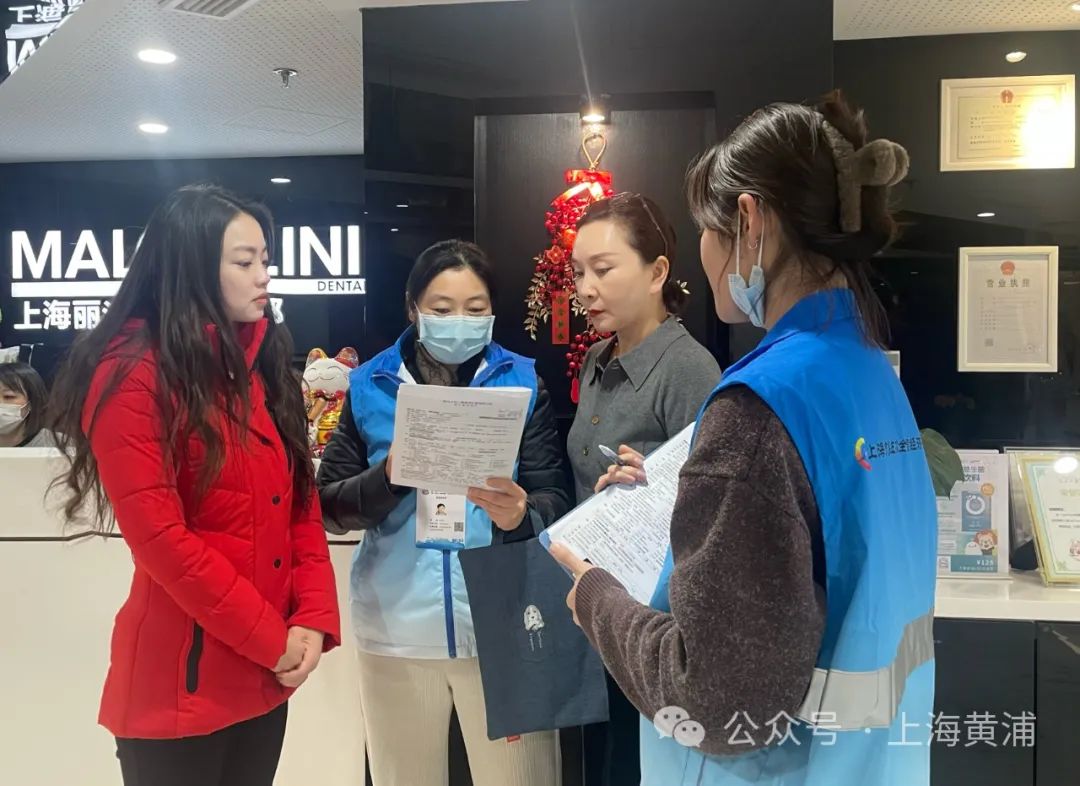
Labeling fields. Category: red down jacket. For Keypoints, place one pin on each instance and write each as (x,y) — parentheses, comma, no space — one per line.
(219,577)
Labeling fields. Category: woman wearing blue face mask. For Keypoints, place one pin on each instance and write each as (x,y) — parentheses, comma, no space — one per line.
(789,639)
(410,608)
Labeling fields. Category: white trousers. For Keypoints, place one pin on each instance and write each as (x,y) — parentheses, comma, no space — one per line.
(407,704)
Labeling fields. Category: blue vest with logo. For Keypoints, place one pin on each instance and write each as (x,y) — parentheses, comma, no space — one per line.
(407,601)
(865,720)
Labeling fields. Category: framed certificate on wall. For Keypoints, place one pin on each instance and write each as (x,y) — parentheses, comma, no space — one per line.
(1026,122)
(1008,318)
(1051,486)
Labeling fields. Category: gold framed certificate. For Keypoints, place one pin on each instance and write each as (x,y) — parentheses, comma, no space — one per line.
(1026,122)
(1008,303)
(1051,485)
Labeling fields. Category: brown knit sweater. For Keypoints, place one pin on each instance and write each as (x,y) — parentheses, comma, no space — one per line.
(747,598)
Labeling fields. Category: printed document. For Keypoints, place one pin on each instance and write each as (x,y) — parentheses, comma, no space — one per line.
(626,530)
(447,439)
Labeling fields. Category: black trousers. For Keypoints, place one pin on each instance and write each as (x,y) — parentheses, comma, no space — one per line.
(245,754)
(612,753)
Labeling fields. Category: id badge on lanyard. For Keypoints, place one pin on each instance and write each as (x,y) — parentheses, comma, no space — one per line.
(440,520)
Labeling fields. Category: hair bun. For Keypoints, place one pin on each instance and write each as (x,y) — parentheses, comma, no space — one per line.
(878,164)
(881,163)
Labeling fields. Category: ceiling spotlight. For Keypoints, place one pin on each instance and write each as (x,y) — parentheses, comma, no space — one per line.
(157,56)
(986,215)
(595,111)
(1075,7)
(281,181)
(394,229)
(153,128)
(403,206)
(1016,57)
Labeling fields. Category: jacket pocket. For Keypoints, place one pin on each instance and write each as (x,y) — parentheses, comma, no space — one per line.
(193,658)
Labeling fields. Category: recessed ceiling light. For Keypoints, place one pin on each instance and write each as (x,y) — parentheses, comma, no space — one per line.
(280,180)
(157,56)
(402,205)
(1016,57)
(986,215)
(1075,7)
(394,229)
(153,128)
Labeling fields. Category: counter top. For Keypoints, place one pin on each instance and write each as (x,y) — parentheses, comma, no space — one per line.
(1022,596)
(29,512)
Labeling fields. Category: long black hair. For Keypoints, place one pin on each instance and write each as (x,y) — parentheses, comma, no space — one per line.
(173,290)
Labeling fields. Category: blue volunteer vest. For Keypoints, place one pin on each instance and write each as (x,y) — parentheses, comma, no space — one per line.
(866,717)
(406,601)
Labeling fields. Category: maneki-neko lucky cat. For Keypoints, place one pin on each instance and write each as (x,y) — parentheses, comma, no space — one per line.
(326,379)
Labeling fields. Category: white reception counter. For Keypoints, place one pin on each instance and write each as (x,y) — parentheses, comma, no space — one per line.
(59,599)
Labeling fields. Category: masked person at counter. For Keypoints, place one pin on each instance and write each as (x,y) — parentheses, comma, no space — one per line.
(639,389)
(789,639)
(185,417)
(411,614)
(23,405)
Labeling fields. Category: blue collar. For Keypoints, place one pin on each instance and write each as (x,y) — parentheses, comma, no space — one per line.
(814,313)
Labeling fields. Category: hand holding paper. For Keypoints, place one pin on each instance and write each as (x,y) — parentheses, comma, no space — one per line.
(577,567)
(626,529)
(504,501)
(450,439)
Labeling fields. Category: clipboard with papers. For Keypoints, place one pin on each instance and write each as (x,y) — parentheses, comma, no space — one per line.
(626,530)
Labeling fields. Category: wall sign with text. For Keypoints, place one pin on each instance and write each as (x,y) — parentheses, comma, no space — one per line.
(1008,309)
(63,281)
(26,26)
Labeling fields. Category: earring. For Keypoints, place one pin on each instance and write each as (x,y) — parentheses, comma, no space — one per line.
(754,245)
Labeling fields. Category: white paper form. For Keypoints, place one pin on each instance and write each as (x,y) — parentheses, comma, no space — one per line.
(448,439)
(626,530)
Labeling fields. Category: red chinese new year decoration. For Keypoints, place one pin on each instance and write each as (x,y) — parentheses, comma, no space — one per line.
(551,293)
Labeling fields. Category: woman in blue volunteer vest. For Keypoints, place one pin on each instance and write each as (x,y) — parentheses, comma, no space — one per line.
(789,640)
(410,608)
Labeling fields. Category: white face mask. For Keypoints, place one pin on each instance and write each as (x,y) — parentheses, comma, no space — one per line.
(12,416)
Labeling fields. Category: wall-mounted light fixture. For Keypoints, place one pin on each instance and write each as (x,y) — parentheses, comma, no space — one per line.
(595,110)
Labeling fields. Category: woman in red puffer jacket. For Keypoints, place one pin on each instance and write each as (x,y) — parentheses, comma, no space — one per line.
(184,420)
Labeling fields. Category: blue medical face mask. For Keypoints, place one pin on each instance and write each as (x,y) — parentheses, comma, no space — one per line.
(749,297)
(453,340)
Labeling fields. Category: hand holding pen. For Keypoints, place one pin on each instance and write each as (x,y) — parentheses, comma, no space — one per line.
(627,469)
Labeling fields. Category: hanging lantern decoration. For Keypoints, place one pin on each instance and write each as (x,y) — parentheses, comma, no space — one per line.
(551,294)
